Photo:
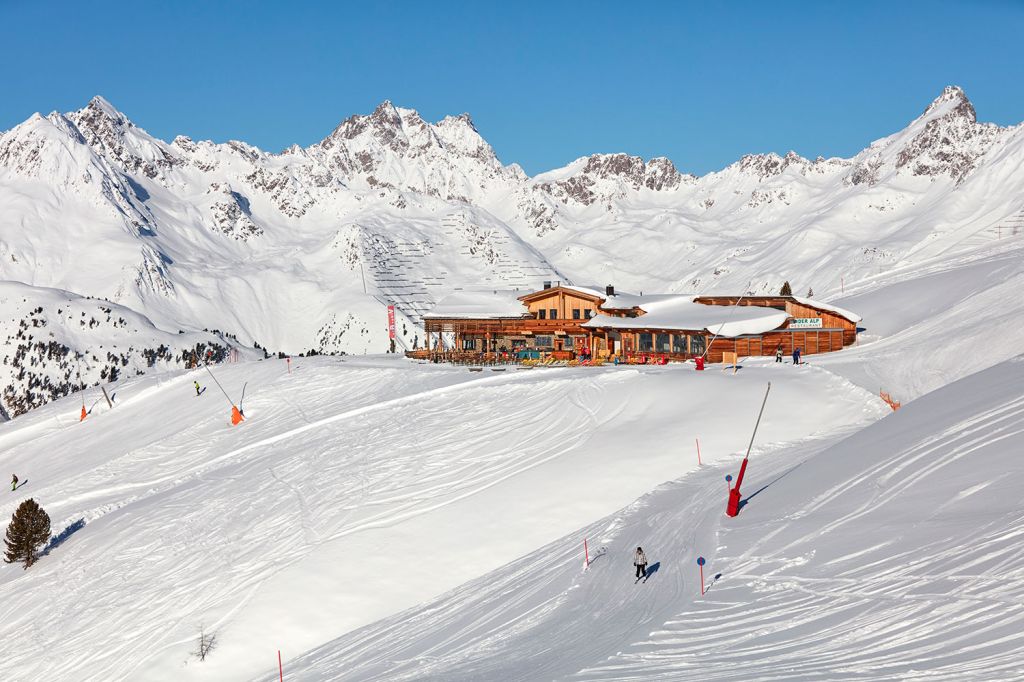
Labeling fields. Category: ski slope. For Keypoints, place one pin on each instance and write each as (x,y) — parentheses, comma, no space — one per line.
(893,554)
(355,489)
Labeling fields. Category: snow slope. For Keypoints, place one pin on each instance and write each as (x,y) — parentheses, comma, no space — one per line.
(937,321)
(893,554)
(355,489)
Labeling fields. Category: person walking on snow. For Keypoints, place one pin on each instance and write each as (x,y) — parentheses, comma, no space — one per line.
(778,353)
(14,482)
(197,387)
(640,561)
(796,356)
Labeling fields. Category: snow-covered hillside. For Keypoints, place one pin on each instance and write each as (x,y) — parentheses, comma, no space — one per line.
(356,488)
(893,554)
(57,343)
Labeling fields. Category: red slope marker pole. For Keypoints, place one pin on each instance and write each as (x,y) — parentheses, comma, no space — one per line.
(698,453)
(280,667)
(586,555)
(700,564)
(289,361)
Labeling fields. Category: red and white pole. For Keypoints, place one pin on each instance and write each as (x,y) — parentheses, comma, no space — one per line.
(732,507)
(699,463)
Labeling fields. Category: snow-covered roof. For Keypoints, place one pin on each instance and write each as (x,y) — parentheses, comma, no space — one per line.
(474,304)
(852,317)
(661,311)
(671,311)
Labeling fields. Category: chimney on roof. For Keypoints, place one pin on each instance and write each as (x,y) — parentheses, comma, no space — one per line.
(609,290)
(547,284)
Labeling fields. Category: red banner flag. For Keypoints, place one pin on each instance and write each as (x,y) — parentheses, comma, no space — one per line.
(391,322)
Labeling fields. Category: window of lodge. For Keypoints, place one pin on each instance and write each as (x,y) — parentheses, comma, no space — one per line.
(697,345)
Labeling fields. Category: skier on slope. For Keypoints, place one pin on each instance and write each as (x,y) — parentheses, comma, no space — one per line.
(796,356)
(640,561)
(14,482)
(778,353)
(198,391)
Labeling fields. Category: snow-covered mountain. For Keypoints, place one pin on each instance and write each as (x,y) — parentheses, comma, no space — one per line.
(379,519)
(304,248)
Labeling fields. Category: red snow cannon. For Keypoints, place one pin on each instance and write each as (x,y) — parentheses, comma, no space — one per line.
(732,508)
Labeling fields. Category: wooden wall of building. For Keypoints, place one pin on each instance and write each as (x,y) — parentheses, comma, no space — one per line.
(564,302)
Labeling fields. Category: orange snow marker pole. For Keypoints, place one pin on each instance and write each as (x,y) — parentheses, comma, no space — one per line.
(236,416)
(84,414)
(280,667)
(894,404)
(698,452)
(732,508)
(586,554)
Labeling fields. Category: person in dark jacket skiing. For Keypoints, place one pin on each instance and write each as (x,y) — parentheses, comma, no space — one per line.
(778,353)
(640,561)
(796,356)
(14,482)
(198,391)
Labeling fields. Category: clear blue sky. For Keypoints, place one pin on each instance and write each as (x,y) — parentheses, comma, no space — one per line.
(545,82)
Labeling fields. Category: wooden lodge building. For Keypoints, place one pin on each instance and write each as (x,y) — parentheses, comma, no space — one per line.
(566,321)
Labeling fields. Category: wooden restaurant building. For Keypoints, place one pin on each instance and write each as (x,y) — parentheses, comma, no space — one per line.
(567,321)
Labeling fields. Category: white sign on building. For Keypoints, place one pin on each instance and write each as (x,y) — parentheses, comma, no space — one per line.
(805,323)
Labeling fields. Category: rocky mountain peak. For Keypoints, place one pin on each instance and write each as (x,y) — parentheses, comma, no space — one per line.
(952,103)
(946,139)
(602,176)
(770,164)
(111,134)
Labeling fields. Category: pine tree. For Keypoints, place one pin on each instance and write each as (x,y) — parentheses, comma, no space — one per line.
(29,528)
(786,289)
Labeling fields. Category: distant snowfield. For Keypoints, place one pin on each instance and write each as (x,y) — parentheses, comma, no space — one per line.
(355,489)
